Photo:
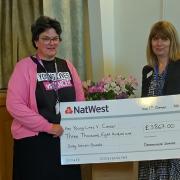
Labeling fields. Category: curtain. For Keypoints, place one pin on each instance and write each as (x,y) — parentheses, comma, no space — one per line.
(73,16)
(16,17)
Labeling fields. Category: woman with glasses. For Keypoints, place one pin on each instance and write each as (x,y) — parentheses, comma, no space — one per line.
(37,87)
(161,77)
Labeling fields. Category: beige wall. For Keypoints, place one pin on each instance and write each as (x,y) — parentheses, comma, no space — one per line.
(119,31)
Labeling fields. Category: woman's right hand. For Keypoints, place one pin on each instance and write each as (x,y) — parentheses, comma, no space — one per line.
(56,130)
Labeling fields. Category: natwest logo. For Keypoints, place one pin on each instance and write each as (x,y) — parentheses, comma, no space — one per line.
(91,109)
(68,110)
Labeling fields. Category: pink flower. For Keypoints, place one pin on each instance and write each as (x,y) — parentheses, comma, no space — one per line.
(108,87)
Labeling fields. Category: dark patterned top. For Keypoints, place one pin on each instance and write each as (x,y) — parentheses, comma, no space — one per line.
(157,84)
(159,169)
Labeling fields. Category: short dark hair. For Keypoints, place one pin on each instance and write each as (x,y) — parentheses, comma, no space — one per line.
(42,24)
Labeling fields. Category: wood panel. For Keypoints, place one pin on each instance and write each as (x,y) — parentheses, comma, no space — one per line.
(6,142)
(115,171)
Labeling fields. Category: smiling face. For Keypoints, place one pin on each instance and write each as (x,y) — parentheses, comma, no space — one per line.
(47,44)
(160,46)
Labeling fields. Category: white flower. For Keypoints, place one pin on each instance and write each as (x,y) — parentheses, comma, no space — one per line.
(117,90)
(113,84)
(107,87)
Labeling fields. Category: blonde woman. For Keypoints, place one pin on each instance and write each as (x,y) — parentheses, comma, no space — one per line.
(161,77)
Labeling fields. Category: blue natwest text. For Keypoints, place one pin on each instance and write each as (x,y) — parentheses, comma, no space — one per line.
(91,109)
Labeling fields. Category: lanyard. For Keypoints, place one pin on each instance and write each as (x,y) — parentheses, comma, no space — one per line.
(156,73)
(53,83)
(159,84)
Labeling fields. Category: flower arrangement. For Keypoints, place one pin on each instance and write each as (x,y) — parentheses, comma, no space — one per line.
(118,87)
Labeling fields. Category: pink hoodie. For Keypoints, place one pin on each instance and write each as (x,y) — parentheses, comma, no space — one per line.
(21,100)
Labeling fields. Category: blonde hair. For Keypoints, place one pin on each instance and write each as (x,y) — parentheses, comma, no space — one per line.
(163,29)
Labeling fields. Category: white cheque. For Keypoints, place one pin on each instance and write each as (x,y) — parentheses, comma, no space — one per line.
(120,130)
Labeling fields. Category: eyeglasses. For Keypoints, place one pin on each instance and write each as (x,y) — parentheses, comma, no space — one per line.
(47,40)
